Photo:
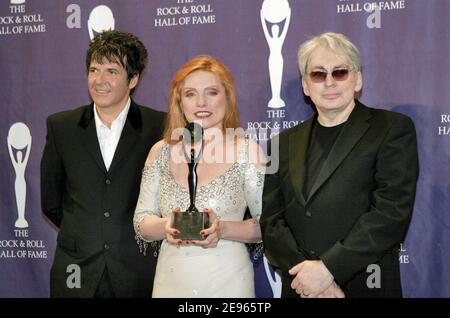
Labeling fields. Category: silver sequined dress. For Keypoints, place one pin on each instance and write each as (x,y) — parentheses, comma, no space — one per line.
(192,271)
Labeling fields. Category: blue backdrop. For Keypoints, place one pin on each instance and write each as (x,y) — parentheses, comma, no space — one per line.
(405,49)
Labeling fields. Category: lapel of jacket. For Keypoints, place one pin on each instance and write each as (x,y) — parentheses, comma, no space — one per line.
(129,136)
(351,133)
(298,145)
(88,135)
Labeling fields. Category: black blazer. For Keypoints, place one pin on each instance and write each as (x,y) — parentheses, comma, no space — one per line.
(358,209)
(94,207)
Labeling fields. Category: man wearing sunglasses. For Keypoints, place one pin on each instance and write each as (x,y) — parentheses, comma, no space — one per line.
(339,206)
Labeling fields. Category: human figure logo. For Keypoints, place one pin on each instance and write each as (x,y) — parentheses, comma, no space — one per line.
(273,13)
(273,278)
(101,19)
(19,145)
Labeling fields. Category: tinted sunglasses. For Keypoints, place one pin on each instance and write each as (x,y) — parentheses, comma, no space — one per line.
(340,74)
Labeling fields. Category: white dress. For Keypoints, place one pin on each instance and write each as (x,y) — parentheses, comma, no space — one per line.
(193,271)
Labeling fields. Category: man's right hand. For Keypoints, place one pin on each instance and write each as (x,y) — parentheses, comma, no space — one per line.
(334,291)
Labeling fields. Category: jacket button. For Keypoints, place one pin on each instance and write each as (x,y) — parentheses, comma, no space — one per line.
(108,182)
(106,246)
(308,213)
(107,214)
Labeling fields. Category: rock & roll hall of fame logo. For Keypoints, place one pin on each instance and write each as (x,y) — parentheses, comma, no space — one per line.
(19,145)
(101,19)
(275,18)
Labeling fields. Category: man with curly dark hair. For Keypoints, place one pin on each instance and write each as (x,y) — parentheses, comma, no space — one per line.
(90,176)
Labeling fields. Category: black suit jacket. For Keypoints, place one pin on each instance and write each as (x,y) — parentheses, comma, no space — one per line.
(358,209)
(94,207)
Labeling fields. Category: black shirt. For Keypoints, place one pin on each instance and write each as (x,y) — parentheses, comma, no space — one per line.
(321,141)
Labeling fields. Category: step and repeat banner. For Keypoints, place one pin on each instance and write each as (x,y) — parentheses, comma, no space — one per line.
(405,47)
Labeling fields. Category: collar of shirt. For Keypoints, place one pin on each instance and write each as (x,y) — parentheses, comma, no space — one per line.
(108,138)
(117,123)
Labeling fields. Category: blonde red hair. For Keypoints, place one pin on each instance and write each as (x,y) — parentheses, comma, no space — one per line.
(175,118)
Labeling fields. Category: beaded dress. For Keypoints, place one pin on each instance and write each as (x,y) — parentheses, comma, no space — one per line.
(193,271)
